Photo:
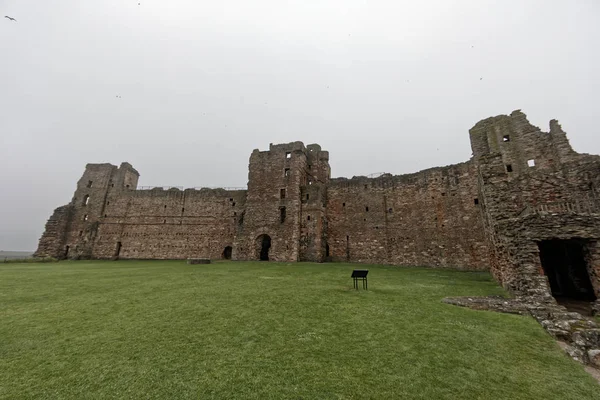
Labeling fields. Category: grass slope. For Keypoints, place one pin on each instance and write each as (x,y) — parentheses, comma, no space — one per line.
(152,329)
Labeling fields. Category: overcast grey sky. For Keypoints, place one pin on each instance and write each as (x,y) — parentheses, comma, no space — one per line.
(383,85)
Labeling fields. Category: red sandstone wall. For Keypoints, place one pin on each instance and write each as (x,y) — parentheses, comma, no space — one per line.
(429,218)
(169,224)
(555,198)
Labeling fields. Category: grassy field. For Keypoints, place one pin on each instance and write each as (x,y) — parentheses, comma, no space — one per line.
(151,329)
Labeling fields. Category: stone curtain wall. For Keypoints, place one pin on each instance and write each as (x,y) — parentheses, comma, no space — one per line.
(522,186)
(430,218)
(169,224)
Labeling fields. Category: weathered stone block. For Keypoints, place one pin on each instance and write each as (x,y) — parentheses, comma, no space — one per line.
(198,261)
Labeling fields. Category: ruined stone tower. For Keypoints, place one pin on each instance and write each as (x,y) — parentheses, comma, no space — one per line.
(277,217)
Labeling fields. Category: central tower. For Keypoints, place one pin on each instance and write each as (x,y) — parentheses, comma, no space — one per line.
(271,226)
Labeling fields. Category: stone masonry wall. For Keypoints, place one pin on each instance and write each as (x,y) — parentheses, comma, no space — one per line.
(429,218)
(522,186)
(533,187)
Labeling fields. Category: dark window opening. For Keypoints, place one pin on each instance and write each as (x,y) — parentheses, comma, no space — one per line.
(164,221)
(264,243)
(233,204)
(86,199)
(476,201)
(234,213)
(66,252)
(282,194)
(506,138)
(118,249)
(80,233)
(227,253)
(282,215)
(308,196)
(112,185)
(308,218)
(231,199)
(508,168)
(108,202)
(104,215)
(90,184)
(182,209)
(127,186)
(343,204)
(367,209)
(443,194)
(564,263)
(366,186)
(165,206)
(286,172)
(390,210)
(326,250)
(309,166)
(288,155)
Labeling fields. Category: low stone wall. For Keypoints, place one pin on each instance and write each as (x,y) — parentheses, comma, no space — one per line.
(198,261)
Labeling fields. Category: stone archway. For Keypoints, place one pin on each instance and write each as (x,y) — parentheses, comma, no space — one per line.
(263,245)
(227,253)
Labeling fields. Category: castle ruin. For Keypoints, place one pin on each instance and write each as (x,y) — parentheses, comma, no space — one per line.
(524,207)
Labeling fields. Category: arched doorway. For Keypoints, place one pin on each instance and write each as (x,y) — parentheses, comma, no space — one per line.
(263,245)
(227,253)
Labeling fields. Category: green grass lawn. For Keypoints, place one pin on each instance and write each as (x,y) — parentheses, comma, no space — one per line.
(238,330)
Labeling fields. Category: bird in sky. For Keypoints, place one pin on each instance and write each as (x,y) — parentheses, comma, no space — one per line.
(11,18)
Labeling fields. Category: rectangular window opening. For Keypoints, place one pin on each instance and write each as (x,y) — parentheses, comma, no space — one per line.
(476,201)
(506,138)
(509,168)
(282,215)
(307,196)
(367,209)
(286,172)
(531,163)
(90,183)
(288,155)
(308,218)
(85,217)
(282,194)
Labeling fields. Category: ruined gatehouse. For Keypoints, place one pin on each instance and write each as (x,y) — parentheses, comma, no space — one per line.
(524,207)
